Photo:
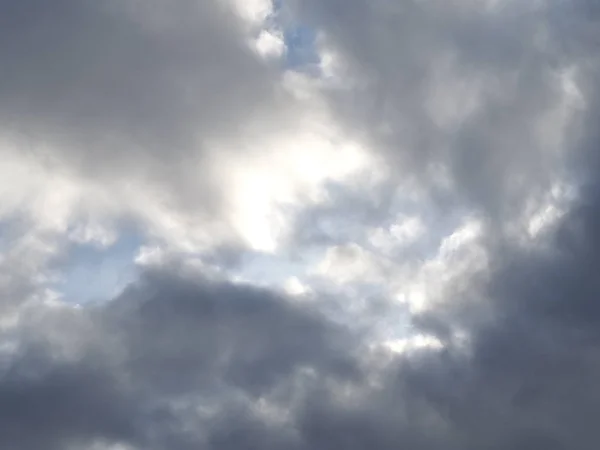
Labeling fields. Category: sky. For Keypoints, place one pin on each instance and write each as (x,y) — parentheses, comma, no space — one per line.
(299,224)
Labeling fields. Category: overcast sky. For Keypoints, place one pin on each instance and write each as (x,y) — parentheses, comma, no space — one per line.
(299,224)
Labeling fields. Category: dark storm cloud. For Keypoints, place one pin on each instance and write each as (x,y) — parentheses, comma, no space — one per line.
(183,335)
(527,380)
(166,339)
(52,406)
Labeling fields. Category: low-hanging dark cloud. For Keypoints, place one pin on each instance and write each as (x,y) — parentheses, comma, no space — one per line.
(527,378)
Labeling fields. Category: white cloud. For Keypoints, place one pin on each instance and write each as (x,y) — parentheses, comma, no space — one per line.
(416,342)
(350,263)
(294,287)
(93,233)
(459,255)
(254,11)
(284,170)
(270,44)
(405,231)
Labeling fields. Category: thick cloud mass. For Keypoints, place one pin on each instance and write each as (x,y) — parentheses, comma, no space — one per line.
(463,96)
(114,76)
(446,300)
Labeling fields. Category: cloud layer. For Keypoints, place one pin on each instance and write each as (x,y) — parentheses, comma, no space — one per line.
(301,225)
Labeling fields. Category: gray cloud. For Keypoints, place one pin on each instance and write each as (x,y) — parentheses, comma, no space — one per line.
(527,379)
(456,86)
(178,361)
(185,335)
(123,75)
(123,92)
(116,373)
(53,406)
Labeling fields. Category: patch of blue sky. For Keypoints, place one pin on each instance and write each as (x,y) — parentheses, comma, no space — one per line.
(267,269)
(92,274)
(302,53)
(300,40)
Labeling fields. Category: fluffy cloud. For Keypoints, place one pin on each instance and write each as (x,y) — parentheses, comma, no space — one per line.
(359,224)
(161,115)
